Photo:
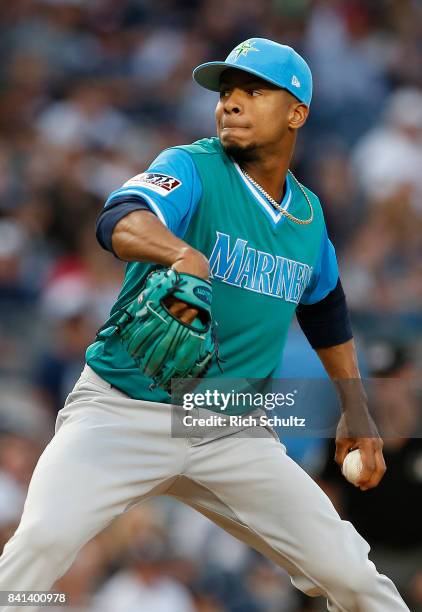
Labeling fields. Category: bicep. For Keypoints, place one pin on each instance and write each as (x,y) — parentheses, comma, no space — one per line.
(109,219)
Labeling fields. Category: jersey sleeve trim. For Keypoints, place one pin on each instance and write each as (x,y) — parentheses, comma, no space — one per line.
(142,196)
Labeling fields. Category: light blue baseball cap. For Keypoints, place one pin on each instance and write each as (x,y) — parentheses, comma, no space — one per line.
(278,64)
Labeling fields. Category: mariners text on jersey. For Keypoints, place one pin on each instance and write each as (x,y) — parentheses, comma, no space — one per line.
(254,270)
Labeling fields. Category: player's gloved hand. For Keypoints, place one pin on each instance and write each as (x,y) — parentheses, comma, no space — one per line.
(163,345)
(193,262)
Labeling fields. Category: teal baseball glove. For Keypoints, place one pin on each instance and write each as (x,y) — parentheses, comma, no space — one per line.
(163,346)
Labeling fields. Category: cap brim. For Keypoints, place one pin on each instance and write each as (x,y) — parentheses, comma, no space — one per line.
(208,75)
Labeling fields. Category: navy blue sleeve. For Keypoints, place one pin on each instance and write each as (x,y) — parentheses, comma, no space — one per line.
(327,322)
(108,218)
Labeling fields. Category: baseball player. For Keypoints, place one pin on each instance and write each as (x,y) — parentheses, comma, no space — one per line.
(222,217)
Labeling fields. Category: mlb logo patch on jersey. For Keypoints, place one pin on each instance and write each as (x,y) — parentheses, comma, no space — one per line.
(160,183)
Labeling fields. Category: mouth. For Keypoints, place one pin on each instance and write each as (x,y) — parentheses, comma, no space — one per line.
(233,127)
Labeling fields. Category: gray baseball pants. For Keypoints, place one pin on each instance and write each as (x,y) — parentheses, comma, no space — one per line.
(111,452)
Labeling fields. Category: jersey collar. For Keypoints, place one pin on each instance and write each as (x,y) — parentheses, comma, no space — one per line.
(270,211)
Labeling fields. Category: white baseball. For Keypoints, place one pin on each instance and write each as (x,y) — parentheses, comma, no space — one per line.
(352,466)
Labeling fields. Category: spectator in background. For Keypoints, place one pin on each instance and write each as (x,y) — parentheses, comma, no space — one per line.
(381,264)
(270,588)
(15,286)
(25,428)
(19,291)
(58,368)
(344,206)
(84,118)
(381,268)
(349,63)
(79,293)
(388,160)
(57,32)
(143,583)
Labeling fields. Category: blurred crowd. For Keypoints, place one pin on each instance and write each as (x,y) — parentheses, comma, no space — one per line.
(90,93)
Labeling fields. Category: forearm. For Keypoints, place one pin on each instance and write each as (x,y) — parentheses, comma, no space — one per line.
(140,236)
(341,364)
(340,361)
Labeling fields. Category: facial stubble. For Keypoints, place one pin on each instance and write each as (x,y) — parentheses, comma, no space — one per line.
(242,154)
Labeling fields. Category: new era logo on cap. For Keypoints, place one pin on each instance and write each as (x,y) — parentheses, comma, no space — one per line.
(295,81)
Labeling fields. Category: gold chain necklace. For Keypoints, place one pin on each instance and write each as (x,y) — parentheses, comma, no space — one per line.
(278,206)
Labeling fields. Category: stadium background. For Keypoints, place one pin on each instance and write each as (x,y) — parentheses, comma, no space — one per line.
(90,93)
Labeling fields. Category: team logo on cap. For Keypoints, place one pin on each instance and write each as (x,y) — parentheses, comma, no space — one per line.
(295,81)
(242,49)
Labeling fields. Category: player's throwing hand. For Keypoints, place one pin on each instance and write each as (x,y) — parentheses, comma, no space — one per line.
(373,464)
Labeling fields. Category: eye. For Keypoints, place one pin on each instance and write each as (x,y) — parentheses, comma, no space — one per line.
(224,93)
(255,92)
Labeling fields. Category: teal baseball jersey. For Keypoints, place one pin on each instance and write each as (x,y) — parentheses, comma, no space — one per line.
(262,265)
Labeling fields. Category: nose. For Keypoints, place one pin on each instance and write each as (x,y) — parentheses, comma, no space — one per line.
(232,103)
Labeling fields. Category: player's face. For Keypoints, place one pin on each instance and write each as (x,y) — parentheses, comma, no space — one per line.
(254,116)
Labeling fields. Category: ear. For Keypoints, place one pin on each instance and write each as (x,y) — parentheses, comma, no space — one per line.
(298,114)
